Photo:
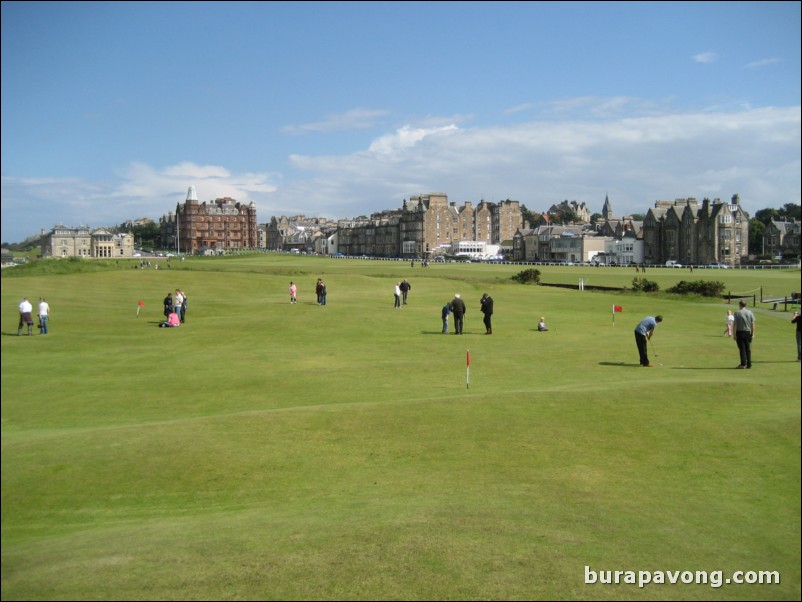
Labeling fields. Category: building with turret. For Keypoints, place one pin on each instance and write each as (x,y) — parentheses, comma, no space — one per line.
(220,226)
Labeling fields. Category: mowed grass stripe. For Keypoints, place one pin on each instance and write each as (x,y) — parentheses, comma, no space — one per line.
(336,452)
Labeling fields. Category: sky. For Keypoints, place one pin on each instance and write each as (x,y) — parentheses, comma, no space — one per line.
(111,110)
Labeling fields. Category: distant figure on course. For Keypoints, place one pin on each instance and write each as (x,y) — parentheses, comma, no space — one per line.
(730,323)
(25,316)
(541,326)
(444,314)
(458,309)
(744,333)
(643,333)
(172,320)
(487,310)
(405,288)
(44,315)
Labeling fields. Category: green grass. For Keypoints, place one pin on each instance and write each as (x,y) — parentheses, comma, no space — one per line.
(273,451)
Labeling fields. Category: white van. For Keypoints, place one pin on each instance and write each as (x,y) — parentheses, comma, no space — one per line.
(673,264)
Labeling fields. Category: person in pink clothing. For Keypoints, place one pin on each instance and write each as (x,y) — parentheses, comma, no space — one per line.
(172,321)
(730,323)
(293,293)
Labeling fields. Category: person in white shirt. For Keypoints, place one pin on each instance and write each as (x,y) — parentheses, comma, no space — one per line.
(25,317)
(44,314)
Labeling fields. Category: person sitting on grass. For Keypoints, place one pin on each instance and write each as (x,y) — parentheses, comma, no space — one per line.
(541,326)
(172,321)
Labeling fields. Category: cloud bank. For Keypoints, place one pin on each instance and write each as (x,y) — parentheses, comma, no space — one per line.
(636,160)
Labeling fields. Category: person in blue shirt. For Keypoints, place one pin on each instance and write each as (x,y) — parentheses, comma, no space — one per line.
(643,333)
(444,314)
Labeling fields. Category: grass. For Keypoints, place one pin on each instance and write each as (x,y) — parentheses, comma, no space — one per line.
(273,451)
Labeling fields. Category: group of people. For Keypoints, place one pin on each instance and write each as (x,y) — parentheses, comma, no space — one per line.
(400,293)
(457,307)
(175,309)
(320,291)
(739,325)
(26,316)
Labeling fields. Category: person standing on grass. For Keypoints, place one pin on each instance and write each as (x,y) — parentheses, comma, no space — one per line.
(444,314)
(798,322)
(320,290)
(293,293)
(730,322)
(487,310)
(168,305)
(25,316)
(744,334)
(405,288)
(44,314)
(182,314)
(397,294)
(458,309)
(643,333)
(178,301)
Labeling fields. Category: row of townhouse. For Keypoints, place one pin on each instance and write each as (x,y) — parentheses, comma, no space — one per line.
(683,230)
(426,226)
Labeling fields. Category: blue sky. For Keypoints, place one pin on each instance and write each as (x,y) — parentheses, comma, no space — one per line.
(110,111)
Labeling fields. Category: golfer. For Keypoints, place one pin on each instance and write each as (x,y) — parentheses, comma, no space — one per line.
(744,333)
(643,333)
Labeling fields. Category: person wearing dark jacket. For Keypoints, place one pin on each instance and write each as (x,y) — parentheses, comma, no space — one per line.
(487,310)
(458,309)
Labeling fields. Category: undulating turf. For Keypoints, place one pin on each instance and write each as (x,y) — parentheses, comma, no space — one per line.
(265,450)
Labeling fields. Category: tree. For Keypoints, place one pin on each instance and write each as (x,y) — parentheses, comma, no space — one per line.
(532,217)
(756,230)
(765,216)
(146,234)
(790,211)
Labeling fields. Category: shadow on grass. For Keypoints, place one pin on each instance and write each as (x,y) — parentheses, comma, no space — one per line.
(620,364)
(449,333)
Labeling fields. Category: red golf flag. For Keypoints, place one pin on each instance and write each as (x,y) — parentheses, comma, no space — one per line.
(468,358)
(617,308)
(141,304)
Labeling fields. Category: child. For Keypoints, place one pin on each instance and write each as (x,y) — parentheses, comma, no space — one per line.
(541,326)
(730,322)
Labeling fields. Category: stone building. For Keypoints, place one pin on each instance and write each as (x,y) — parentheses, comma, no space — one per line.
(691,234)
(221,225)
(426,225)
(782,239)
(83,242)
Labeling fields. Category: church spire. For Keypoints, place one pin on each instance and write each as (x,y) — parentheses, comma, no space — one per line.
(607,210)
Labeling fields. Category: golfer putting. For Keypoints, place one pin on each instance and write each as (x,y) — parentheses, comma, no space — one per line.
(643,334)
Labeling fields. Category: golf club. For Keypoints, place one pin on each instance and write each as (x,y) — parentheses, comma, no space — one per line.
(655,352)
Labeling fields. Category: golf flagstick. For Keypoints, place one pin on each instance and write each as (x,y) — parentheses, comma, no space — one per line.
(468,370)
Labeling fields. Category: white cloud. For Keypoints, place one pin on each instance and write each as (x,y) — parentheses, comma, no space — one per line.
(355,119)
(637,160)
(761,63)
(705,57)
